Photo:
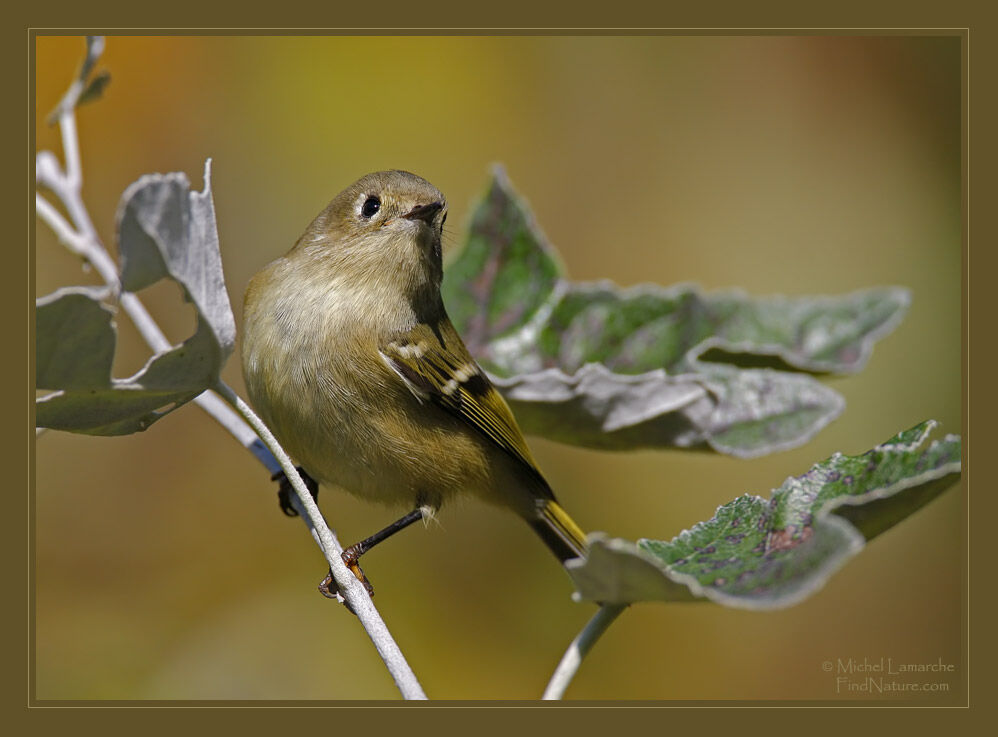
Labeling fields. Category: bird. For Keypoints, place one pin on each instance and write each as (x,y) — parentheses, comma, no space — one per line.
(350,359)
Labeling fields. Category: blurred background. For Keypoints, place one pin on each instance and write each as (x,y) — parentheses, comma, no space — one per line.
(793,165)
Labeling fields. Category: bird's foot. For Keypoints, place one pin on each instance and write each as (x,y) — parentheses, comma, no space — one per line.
(286,493)
(350,556)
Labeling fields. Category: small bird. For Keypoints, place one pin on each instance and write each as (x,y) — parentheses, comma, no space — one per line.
(350,359)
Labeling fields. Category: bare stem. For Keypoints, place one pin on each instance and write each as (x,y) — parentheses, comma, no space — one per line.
(580,646)
(81,238)
(352,590)
(88,246)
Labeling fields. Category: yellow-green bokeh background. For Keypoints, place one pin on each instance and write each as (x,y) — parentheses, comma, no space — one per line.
(797,165)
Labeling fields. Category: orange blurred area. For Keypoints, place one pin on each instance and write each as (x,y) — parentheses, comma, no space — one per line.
(794,165)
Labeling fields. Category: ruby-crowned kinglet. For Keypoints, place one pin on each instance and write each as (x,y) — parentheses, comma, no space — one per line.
(351,360)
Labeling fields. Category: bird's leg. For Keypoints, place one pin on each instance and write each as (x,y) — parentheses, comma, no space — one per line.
(285,491)
(352,554)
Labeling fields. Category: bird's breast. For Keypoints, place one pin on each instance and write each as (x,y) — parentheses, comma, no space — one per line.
(314,372)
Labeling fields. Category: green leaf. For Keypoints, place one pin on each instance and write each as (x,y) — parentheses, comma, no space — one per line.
(164,230)
(74,343)
(505,279)
(95,47)
(120,410)
(95,88)
(84,88)
(649,366)
(647,327)
(763,554)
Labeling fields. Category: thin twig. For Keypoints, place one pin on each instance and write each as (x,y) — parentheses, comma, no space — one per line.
(78,87)
(90,248)
(580,646)
(350,588)
(62,229)
(84,241)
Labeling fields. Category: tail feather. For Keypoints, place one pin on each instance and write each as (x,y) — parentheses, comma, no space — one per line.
(559,531)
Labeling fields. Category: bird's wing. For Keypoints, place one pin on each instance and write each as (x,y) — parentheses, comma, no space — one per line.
(437,368)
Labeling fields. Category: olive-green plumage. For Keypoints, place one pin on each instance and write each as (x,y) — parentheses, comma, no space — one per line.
(350,359)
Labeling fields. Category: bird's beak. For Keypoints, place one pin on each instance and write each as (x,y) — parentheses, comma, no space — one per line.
(424,212)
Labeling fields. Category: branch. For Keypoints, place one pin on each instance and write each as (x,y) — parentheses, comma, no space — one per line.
(80,89)
(81,238)
(351,589)
(85,243)
(578,649)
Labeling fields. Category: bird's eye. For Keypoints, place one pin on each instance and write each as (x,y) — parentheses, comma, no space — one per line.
(370,207)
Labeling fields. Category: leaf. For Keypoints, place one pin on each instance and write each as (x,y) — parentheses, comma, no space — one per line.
(741,413)
(95,88)
(506,278)
(83,89)
(765,554)
(95,47)
(164,230)
(119,410)
(600,366)
(74,343)
(646,327)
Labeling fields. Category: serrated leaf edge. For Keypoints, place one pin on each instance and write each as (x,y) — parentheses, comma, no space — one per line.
(824,516)
(900,295)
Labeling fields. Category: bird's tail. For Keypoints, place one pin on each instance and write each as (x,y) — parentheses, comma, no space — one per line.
(558,531)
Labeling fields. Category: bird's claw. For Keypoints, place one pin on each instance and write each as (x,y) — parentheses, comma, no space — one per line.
(286,492)
(328,587)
